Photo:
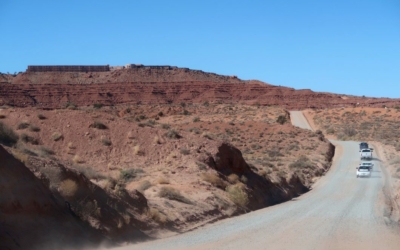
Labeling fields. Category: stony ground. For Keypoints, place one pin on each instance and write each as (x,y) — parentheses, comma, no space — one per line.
(163,152)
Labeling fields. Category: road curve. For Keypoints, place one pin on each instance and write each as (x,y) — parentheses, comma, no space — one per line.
(297,118)
(340,212)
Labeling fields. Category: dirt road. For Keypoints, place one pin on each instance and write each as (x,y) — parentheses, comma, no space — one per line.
(297,118)
(341,212)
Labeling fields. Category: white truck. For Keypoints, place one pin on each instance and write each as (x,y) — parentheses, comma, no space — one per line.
(366,153)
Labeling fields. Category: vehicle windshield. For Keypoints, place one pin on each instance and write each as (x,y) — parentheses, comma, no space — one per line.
(363,168)
(365,150)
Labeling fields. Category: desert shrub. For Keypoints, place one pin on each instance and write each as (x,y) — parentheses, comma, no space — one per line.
(23,125)
(97,105)
(243,179)
(29,139)
(41,117)
(56,136)
(70,105)
(185,151)
(98,125)
(185,112)
(130,174)
(214,179)
(195,130)
(144,185)
(2,116)
(274,153)
(302,163)
(45,152)
(142,117)
(201,165)
(106,142)
(7,136)
(173,134)
(349,131)
(237,195)
(157,216)
(281,119)
(86,209)
(173,194)
(160,113)
(207,135)
(293,146)
(256,146)
(165,126)
(206,103)
(68,188)
(34,128)
(330,131)
(196,119)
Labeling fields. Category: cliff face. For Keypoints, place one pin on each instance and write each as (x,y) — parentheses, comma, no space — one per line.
(146,85)
(58,95)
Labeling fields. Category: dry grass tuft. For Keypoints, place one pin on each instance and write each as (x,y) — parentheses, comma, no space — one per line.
(157,216)
(78,160)
(29,139)
(238,195)
(233,178)
(68,188)
(137,150)
(7,136)
(207,135)
(214,179)
(106,141)
(162,180)
(130,135)
(98,125)
(56,136)
(173,194)
(157,139)
(34,128)
(144,185)
(173,134)
(23,125)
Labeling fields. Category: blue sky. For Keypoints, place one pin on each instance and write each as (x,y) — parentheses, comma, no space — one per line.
(342,46)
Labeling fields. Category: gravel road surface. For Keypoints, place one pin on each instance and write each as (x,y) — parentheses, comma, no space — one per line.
(340,212)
